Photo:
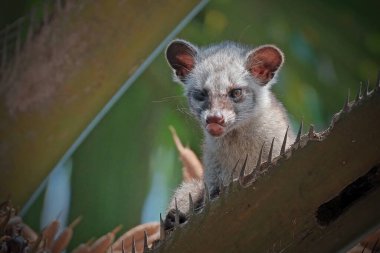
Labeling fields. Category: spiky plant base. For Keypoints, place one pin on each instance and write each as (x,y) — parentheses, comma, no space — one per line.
(321,195)
(15,236)
(18,237)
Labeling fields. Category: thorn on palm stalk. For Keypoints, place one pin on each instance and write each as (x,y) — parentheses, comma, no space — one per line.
(146,247)
(298,138)
(233,171)
(122,247)
(283,147)
(346,106)
(162,229)
(359,94)
(256,170)
(155,245)
(311,132)
(270,152)
(377,84)
(366,90)
(242,171)
(374,248)
(133,245)
(258,164)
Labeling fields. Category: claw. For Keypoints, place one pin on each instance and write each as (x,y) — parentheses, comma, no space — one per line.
(221,187)
(176,215)
(283,147)
(207,195)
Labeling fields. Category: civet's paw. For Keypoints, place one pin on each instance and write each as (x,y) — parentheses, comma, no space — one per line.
(169,222)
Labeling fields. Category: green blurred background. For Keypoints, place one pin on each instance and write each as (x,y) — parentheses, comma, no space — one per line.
(126,169)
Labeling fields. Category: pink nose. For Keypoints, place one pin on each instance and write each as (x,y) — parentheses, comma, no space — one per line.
(215,119)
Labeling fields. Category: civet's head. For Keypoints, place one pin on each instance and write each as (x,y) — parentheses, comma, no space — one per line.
(226,84)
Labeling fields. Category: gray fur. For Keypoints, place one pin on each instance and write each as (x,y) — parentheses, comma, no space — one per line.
(249,122)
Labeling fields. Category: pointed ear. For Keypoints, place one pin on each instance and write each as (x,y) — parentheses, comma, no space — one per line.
(263,63)
(181,57)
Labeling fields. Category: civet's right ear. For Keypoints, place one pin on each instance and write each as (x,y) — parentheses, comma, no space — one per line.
(264,62)
(181,57)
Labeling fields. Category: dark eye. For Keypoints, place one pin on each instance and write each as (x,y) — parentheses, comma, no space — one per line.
(236,93)
(200,95)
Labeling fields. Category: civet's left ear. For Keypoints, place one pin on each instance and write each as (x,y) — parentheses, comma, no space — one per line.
(263,63)
(181,57)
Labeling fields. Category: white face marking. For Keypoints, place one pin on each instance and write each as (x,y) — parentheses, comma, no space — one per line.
(209,87)
(228,115)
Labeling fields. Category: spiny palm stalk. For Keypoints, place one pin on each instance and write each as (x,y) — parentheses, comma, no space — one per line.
(320,195)
(18,237)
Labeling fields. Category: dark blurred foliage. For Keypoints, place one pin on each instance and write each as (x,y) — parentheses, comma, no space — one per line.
(330,46)
(12,9)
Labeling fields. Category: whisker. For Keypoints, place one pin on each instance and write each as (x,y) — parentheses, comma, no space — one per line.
(184,110)
(165,99)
